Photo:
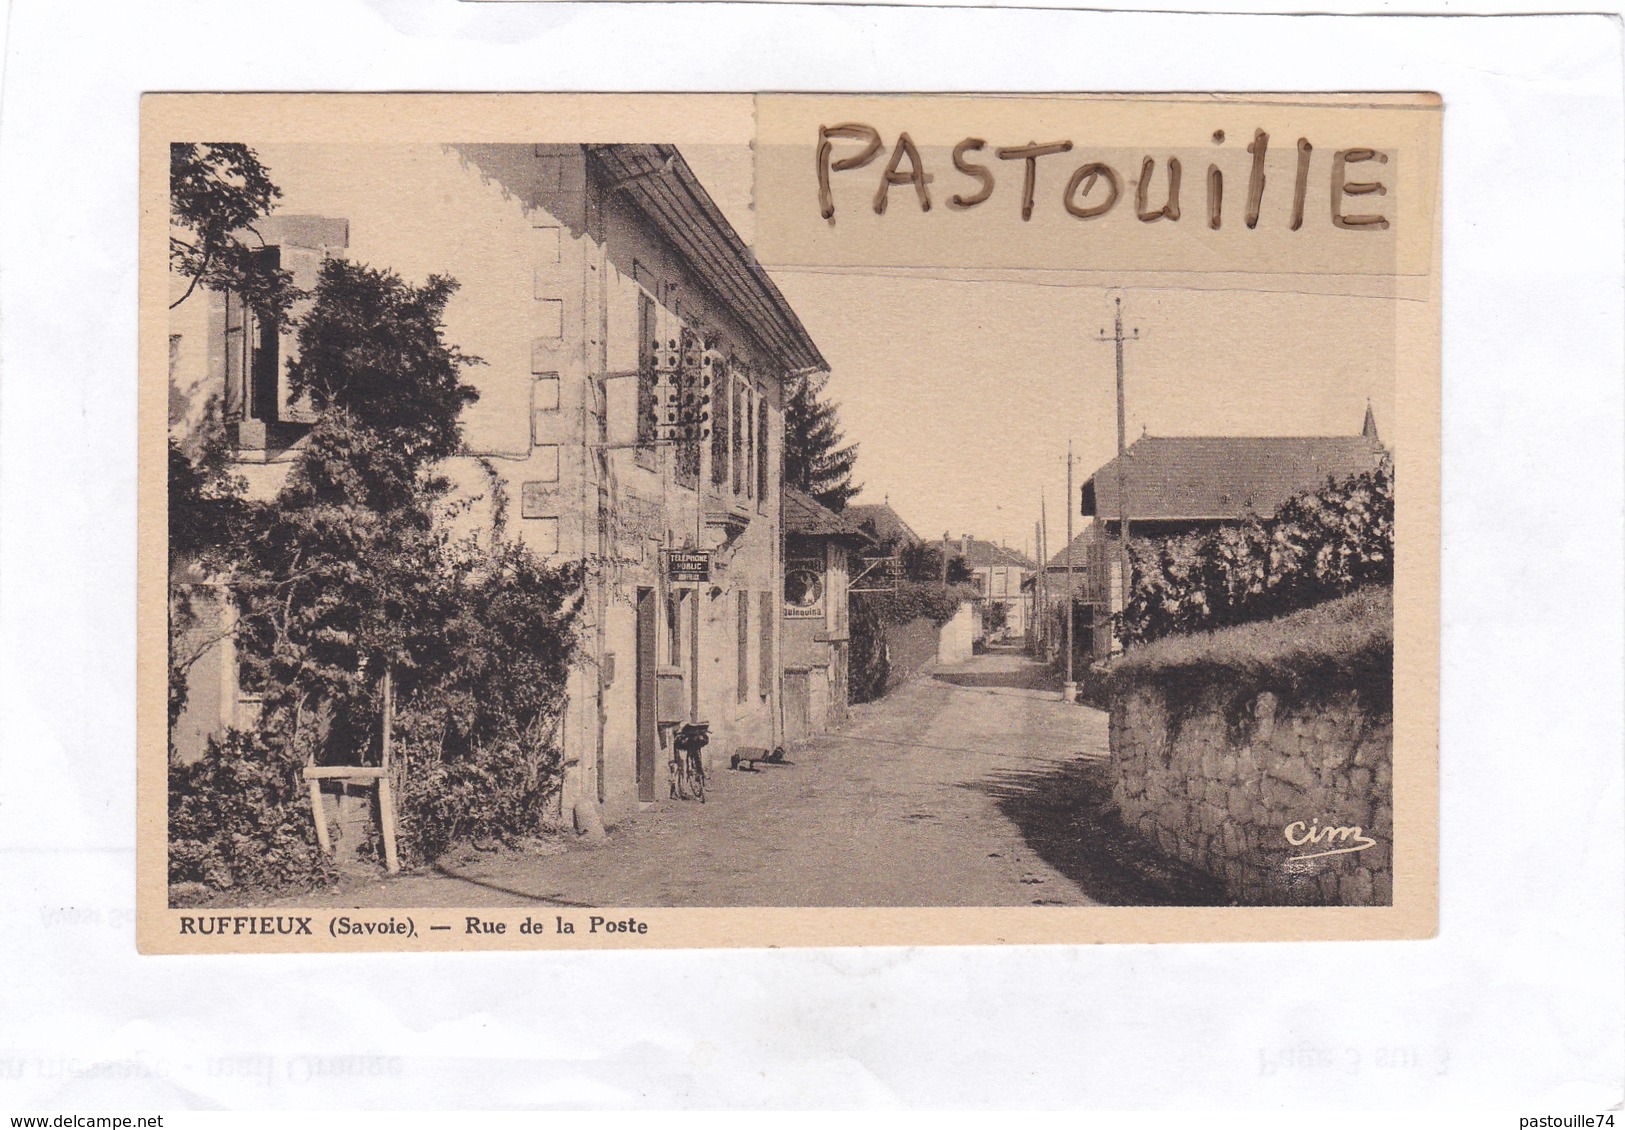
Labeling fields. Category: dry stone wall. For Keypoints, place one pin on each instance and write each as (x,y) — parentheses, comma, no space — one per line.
(1245,788)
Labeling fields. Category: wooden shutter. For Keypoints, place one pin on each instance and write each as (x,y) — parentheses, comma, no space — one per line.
(744,645)
(761,448)
(721,403)
(765,646)
(647,330)
(737,439)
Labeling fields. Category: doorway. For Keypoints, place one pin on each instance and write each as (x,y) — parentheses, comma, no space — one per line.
(646,661)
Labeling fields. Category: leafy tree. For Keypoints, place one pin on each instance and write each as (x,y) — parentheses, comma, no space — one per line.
(348,572)
(924,563)
(814,459)
(216,191)
(994,617)
(371,347)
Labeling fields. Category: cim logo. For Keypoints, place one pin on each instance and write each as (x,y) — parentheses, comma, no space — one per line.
(1349,839)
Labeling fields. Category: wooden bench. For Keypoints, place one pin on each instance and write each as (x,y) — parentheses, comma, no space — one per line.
(375,775)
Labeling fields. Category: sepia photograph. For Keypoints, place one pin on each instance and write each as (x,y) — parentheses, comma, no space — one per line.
(844,504)
(760,557)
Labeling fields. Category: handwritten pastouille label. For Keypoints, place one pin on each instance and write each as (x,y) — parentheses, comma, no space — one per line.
(1126,184)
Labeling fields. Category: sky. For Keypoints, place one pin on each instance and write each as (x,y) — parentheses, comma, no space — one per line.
(963,388)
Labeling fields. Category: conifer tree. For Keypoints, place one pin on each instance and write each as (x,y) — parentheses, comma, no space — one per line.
(814,459)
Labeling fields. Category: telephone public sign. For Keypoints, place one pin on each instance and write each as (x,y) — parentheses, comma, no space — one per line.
(690,565)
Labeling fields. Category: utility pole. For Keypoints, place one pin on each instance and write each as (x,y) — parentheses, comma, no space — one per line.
(1036,615)
(1069,693)
(1043,525)
(1117,340)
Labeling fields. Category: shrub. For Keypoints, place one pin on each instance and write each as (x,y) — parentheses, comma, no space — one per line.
(240,817)
(498,791)
(477,731)
(915,600)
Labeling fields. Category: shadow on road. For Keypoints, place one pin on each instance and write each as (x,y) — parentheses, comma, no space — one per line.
(1027,677)
(1064,814)
(526,896)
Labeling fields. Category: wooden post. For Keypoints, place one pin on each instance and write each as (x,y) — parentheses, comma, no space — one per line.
(1124,564)
(1035,622)
(389,715)
(1043,565)
(386,817)
(386,792)
(322,839)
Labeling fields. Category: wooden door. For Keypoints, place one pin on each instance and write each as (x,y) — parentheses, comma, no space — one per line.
(797,705)
(648,739)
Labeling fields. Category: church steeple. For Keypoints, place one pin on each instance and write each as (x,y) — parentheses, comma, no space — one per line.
(1370,428)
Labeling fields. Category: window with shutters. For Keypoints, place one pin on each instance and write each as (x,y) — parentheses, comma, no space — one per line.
(251,354)
(248,353)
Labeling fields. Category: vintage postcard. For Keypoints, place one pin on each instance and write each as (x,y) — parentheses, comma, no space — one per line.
(578,521)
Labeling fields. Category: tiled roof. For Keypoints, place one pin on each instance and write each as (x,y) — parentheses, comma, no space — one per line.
(1224,476)
(805,516)
(882,523)
(979,554)
(1080,550)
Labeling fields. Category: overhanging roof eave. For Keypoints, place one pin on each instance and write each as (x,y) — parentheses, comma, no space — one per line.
(661,185)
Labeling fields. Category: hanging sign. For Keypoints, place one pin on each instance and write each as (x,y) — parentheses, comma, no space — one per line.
(688,565)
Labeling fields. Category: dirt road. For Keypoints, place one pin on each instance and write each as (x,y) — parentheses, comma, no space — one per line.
(974,786)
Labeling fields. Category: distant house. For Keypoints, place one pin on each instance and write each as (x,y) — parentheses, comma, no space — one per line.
(999,574)
(819,551)
(883,524)
(1178,485)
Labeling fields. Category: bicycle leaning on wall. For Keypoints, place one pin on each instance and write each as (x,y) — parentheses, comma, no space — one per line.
(687,765)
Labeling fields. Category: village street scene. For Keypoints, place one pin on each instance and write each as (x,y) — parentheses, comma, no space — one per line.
(974,786)
(531,543)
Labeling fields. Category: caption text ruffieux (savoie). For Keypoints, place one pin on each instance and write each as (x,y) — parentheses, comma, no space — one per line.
(349,926)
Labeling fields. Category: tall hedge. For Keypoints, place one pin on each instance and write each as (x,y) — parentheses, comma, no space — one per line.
(1320,545)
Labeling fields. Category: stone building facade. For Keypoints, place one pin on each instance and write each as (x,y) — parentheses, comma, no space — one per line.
(1000,575)
(576,264)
